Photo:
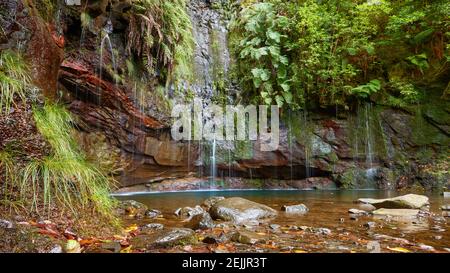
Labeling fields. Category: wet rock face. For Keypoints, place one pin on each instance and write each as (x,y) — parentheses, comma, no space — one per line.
(38,40)
(238,210)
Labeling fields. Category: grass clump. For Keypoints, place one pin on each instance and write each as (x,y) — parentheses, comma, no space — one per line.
(64,176)
(14,79)
(63,179)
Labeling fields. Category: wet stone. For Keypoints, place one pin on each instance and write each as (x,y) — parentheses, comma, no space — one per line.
(152,213)
(208,203)
(201,221)
(112,246)
(357,212)
(131,207)
(322,231)
(369,225)
(445,207)
(152,227)
(408,201)
(164,238)
(300,208)
(238,210)
(274,226)
(188,211)
(246,237)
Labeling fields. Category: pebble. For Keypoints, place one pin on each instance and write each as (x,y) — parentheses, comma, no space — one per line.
(370,225)
(426,247)
(357,211)
(274,226)
(6,224)
(445,207)
(153,226)
(152,213)
(323,231)
(56,249)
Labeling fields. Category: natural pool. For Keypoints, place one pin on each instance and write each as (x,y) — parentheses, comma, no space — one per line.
(327,209)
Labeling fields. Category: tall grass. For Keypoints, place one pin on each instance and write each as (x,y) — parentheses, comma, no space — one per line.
(64,177)
(14,79)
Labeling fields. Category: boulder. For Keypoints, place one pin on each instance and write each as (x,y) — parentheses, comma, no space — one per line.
(201,221)
(396,212)
(208,203)
(295,209)
(409,201)
(238,209)
(165,238)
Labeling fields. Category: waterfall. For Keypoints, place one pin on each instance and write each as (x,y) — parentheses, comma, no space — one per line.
(213,163)
(308,149)
(211,63)
(290,144)
(369,139)
(110,47)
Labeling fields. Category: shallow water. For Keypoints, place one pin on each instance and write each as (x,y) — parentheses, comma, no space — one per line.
(327,209)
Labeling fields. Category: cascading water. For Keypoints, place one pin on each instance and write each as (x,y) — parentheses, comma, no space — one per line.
(211,65)
(213,164)
(307,139)
(369,140)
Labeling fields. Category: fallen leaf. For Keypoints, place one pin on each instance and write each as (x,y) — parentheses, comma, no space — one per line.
(299,251)
(126,250)
(399,249)
(131,228)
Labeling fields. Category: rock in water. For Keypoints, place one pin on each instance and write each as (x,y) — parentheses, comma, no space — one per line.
(247,237)
(238,209)
(201,221)
(152,227)
(152,213)
(208,203)
(397,212)
(295,209)
(357,211)
(445,207)
(409,201)
(132,207)
(165,238)
(188,212)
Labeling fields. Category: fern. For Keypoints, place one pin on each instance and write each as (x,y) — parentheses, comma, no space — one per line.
(160,32)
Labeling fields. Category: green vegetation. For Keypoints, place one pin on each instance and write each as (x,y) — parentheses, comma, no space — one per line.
(64,175)
(14,79)
(333,52)
(160,35)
